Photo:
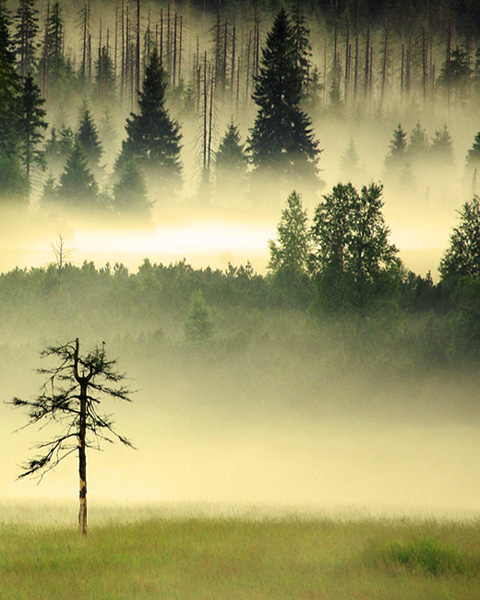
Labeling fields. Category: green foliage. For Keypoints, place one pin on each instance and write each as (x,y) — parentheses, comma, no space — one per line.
(199,326)
(31,122)
(353,261)
(418,145)
(473,154)
(153,137)
(130,192)
(289,255)
(441,149)
(429,557)
(230,160)
(398,146)
(26,31)
(462,257)
(88,139)
(282,136)
(78,187)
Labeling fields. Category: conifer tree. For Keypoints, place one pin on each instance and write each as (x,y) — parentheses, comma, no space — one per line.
(230,160)
(153,137)
(473,155)
(78,187)
(441,149)
(88,139)
(282,137)
(418,145)
(53,64)
(31,122)
(26,31)
(130,192)
(303,48)
(398,147)
(13,182)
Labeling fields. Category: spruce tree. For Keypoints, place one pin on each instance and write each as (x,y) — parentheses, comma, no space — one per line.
(282,137)
(350,162)
(89,140)
(418,145)
(31,122)
(473,155)
(52,64)
(153,137)
(78,187)
(398,147)
(13,182)
(441,149)
(230,160)
(26,44)
(130,192)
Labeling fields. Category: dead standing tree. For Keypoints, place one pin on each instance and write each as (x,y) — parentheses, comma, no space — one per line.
(71,396)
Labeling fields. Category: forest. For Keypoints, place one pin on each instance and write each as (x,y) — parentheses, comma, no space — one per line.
(120,112)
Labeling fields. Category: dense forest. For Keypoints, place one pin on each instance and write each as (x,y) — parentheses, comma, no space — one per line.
(113,109)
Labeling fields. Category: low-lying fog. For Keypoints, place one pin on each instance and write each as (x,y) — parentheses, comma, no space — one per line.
(265,428)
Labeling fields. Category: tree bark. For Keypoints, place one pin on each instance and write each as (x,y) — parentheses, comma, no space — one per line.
(82,461)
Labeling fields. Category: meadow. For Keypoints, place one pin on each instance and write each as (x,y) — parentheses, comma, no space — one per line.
(240,558)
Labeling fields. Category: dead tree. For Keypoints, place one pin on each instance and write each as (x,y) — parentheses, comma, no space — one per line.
(70,397)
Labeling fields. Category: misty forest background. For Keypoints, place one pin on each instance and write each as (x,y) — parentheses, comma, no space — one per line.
(330,117)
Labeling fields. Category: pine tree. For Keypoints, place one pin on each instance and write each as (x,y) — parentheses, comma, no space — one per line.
(473,155)
(31,122)
(398,146)
(13,182)
(130,192)
(418,146)
(78,187)
(104,77)
(230,160)
(26,44)
(303,48)
(441,149)
(153,137)
(282,136)
(53,64)
(89,140)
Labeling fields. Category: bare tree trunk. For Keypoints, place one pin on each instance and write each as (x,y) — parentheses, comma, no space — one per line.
(82,434)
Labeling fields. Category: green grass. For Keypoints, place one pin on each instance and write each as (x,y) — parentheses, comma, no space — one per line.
(240,559)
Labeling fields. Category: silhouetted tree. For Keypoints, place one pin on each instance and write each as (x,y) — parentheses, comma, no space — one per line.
(441,148)
(88,139)
(153,137)
(30,124)
(282,136)
(230,160)
(26,31)
(473,154)
(130,192)
(13,182)
(398,146)
(353,261)
(70,398)
(418,146)
(350,162)
(78,187)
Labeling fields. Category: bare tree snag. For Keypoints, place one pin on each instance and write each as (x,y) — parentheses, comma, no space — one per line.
(70,397)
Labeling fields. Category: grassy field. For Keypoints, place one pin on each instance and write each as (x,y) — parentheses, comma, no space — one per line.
(240,559)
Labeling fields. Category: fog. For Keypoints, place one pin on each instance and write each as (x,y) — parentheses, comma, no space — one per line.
(276,423)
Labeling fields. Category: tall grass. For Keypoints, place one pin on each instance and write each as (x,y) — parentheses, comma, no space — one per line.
(240,559)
